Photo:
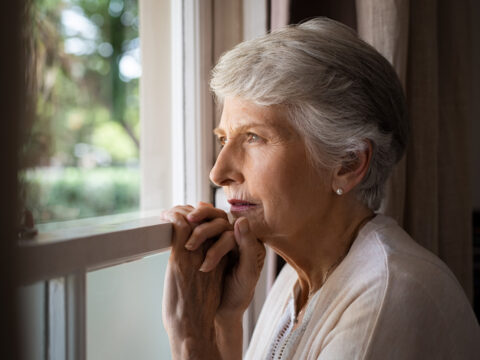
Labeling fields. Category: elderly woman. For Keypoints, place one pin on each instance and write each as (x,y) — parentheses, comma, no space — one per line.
(313,122)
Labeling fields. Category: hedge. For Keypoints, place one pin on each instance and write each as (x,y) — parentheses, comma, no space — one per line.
(70,193)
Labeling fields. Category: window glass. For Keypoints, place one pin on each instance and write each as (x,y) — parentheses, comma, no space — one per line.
(32,304)
(124,317)
(82,154)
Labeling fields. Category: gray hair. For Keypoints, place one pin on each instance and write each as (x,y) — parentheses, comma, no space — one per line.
(339,93)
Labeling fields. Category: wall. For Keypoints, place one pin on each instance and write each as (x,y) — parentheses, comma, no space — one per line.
(475,15)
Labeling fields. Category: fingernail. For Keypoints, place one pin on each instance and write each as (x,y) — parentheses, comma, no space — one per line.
(189,246)
(243,226)
(205,266)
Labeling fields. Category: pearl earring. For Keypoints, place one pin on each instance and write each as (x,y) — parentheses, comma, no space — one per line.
(339,191)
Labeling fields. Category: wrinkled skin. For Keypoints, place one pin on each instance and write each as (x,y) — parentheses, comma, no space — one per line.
(204,288)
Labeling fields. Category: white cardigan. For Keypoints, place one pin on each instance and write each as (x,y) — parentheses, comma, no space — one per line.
(388,299)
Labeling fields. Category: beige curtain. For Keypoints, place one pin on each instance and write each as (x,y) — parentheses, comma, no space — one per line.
(384,24)
(279,13)
(429,44)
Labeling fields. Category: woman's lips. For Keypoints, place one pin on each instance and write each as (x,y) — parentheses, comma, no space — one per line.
(238,205)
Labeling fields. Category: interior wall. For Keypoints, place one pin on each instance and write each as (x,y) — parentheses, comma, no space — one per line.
(13,106)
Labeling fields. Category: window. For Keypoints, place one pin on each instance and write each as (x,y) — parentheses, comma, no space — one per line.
(85,137)
(79,297)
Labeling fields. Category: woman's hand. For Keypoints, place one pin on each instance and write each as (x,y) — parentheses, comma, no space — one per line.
(238,290)
(241,276)
(192,297)
(201,305)
(244,271)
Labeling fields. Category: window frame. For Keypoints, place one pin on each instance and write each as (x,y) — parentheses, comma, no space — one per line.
(75,247)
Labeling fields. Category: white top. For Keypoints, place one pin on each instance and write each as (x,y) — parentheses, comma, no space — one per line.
(388,299)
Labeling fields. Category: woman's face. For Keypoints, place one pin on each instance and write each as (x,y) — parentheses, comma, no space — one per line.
(264,170)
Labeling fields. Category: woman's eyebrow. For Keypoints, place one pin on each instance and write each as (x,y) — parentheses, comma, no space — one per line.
(220,131)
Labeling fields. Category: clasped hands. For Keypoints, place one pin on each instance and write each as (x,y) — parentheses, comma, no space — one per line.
(210,280)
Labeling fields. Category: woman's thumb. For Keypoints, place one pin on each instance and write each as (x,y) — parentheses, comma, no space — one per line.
(251,251)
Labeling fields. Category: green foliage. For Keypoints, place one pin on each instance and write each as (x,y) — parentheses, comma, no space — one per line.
(122,149)
(71,193)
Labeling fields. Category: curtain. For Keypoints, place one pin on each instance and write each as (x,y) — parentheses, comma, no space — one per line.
(279,13)
(384,24)
(429,43)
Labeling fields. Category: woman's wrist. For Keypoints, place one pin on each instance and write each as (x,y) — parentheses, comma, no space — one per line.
(199,348)
(229,335)
(226,319)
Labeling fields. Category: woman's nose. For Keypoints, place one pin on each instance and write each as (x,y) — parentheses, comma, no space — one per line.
(227,168)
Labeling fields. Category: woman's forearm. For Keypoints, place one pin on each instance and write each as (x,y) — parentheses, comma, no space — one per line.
(229,334)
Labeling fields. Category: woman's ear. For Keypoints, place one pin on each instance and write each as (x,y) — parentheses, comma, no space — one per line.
(352,171)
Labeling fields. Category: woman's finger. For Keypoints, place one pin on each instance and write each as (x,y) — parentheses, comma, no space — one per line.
(169,215)
(218,250)
(251,250)
(181,229)
(206,231)
(182,209)
(203,213)
(202,203)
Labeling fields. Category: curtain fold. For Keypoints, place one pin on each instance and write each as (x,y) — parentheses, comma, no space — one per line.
(456,112)
(279,13)
(385,25)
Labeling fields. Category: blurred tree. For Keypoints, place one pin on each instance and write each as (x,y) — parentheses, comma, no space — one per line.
(117,22)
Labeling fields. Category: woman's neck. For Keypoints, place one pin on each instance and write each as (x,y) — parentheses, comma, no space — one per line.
(319,248)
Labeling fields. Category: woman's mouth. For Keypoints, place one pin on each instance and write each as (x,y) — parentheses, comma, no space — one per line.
(238,205)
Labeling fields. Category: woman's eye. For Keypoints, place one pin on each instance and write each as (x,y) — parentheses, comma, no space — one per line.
(253,138)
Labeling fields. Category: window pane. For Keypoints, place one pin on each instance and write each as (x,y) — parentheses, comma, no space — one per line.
(32,310)
(82,154)
(124,311)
